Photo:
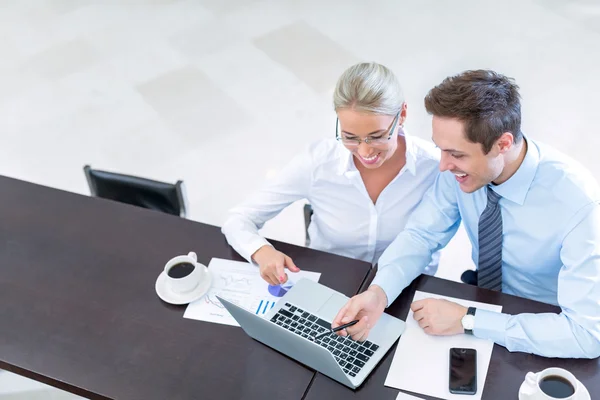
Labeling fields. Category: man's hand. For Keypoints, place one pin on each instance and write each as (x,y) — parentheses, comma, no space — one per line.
(367,307)
(439,317)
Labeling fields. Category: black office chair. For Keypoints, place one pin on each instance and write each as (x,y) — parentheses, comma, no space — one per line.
(469,277)
(166,197)
(308,212)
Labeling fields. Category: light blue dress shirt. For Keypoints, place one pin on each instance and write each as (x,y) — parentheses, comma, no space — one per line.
(550,251)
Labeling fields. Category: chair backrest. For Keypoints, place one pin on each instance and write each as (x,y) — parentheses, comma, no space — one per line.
(308,212)
(166,197)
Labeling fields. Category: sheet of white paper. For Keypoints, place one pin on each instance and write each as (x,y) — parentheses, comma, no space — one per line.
(405,396)
(421,361)
(240,283)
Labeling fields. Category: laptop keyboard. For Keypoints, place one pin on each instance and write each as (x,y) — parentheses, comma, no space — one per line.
(349,354)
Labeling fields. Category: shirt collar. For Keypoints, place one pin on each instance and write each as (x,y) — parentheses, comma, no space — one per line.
(347,164)
(516,187)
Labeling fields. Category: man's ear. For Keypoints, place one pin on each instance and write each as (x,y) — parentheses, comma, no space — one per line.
(505,142)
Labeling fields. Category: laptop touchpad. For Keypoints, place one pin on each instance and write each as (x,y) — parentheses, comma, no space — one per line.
(309,298)
(332,306)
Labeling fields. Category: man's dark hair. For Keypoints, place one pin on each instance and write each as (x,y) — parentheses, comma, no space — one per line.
(487,102)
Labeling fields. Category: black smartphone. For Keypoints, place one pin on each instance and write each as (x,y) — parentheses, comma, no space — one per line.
(463,371)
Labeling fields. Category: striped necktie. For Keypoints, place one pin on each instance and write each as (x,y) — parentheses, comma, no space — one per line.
(489,275)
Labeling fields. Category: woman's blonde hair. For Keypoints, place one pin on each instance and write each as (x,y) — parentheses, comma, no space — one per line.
(370,88)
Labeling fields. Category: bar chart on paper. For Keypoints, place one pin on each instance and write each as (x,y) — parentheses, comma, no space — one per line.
(264,306)
(240,283)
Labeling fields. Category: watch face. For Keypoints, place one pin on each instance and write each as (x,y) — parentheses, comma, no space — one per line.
(468,322)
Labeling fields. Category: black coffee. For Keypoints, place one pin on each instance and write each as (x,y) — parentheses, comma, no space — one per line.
(181,270)
(557,386)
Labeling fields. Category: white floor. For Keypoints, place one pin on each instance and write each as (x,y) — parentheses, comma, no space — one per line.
(221,93)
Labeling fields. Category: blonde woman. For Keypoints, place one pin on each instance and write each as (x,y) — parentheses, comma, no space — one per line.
(362,185)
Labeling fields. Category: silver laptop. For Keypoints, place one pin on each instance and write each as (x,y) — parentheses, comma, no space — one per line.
(305,312)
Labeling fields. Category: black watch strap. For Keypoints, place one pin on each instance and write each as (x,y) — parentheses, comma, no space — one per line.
(470,311)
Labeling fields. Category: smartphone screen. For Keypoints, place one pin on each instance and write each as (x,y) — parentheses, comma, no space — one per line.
(463,371)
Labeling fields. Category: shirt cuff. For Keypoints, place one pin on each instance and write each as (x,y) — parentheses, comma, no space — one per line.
(491,325)
(388,281)
(248,249)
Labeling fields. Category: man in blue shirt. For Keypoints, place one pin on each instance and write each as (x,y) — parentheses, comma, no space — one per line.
(531,214)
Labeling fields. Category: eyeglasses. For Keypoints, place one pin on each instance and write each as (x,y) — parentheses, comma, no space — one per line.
(378,141)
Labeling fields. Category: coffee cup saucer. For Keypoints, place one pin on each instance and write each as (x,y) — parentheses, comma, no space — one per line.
(585,394)
(167,295)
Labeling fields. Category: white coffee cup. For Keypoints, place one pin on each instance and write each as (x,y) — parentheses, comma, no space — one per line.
(189,282)
(531,390)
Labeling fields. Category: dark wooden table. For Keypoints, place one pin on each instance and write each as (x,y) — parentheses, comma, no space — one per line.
(79,311)
(507,370)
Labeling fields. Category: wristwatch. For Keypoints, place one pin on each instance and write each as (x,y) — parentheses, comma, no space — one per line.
(468,321)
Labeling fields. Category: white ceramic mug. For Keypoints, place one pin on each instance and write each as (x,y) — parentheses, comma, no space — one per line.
(189,282)
(531,387)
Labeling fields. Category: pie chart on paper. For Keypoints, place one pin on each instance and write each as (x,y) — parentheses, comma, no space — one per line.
(280,290)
